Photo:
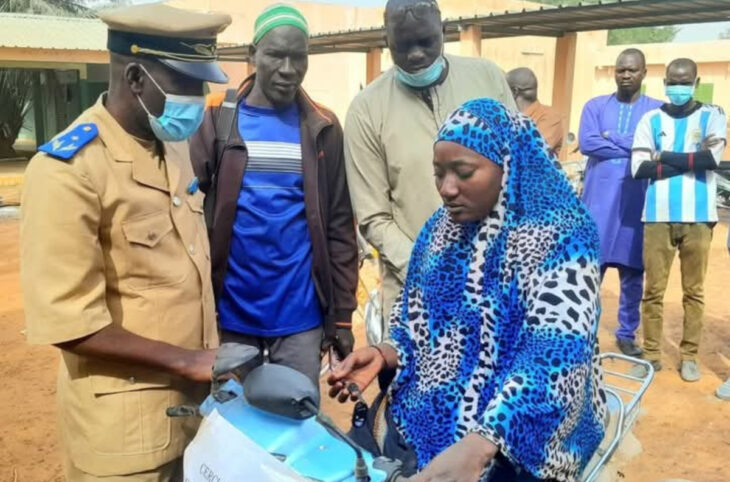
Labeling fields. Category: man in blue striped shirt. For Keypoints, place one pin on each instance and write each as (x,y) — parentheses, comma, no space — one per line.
(677,147)
(283,244)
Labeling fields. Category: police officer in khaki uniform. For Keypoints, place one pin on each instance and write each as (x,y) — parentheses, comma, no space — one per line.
(115,260)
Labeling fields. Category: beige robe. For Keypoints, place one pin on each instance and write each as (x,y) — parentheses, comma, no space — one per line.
(389,136)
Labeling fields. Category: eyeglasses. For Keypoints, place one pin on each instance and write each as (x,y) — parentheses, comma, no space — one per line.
(418,10)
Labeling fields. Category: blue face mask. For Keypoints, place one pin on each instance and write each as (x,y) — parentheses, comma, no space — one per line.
(180,118)
(679,94)
(424,77)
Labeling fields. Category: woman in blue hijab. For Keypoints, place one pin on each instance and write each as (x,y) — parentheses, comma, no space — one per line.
(494,335)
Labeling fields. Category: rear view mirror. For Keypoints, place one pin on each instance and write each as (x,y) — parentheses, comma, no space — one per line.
(234,359)
(281,390)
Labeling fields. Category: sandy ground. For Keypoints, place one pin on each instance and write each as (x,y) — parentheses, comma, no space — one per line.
(684,431)
(11,179)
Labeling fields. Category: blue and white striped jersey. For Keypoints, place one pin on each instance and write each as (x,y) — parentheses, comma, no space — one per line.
(691,197)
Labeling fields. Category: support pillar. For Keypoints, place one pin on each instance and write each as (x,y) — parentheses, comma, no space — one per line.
(372,64)
(38,109)
(470,40)
(86,100)
(250,68)
(563,79)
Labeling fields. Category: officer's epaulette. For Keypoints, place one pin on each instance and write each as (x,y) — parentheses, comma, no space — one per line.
(68,145)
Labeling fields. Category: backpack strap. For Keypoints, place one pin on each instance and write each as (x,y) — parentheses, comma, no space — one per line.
(223,128)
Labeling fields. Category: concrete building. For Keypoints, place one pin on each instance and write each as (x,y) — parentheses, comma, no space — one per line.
(68,63)
(72,69)
(594,72)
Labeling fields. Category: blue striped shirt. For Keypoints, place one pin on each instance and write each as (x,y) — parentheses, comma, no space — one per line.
(268,289)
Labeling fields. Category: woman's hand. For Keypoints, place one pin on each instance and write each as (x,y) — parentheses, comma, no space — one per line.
(360,367)
(462,462)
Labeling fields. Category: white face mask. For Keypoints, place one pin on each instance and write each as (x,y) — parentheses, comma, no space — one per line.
(181,116)
(424,77)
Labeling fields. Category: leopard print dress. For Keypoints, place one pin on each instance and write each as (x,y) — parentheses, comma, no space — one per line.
(496,324)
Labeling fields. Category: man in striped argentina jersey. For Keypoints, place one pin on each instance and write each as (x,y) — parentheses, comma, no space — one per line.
(677,147)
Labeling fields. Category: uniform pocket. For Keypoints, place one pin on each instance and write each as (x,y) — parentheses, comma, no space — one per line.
(148,230)
(153,252)
(128,404)
(131,422)
(110,377)
(195,201)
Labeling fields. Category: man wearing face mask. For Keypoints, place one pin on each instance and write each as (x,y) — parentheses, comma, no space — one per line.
(115,267)
(282,234)
(391,126)
(677,147)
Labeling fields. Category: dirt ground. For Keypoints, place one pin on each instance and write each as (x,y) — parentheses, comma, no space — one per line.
(11,178)
(684,431)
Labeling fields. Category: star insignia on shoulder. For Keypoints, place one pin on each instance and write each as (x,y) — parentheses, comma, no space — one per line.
(66,146)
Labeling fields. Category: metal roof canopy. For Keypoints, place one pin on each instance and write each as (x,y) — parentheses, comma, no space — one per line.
(546,21)
(20,30)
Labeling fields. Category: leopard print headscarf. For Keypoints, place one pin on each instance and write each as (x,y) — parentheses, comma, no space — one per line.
(496,324)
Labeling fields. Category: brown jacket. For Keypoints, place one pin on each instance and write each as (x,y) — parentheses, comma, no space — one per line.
(327,201)
(549,123)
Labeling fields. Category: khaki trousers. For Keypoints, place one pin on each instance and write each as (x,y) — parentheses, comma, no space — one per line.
(661,241)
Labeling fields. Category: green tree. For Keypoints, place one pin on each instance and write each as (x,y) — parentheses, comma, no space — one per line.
(639,35)
(16,85)
(642,35)
(15,103)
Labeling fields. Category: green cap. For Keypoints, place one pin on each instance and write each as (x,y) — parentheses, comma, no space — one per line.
(276,16)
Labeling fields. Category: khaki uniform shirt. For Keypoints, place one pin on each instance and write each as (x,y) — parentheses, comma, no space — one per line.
(113,236)
(389,137)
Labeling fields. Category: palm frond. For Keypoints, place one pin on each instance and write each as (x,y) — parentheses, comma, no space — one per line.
(16,89)
(60,8)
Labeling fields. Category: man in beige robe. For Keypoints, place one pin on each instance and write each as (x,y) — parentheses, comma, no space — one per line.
(391,127)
